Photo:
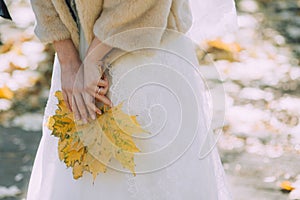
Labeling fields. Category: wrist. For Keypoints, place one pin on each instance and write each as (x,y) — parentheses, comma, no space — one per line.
(97,50)
(66,51)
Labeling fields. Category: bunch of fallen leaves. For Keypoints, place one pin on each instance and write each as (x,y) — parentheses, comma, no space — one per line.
(90,147)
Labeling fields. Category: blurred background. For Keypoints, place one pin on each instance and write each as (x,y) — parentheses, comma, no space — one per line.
(259,67)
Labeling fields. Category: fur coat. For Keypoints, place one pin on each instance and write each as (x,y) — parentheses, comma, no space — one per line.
(124,24)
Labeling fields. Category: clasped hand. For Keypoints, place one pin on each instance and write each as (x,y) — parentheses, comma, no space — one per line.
(83,83)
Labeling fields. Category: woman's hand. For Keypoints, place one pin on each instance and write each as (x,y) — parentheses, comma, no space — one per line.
(72,81)
(82,83)
(95,80)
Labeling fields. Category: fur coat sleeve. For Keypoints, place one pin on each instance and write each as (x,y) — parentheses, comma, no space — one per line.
(49,26)
(124,24)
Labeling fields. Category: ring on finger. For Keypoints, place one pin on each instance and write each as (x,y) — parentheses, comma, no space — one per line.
(99,90)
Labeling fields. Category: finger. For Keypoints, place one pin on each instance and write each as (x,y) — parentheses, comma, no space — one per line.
(75,109)
(82,108)
(89,101)
(70,101)
(97,90)
(94,109)
(65,96)
(104,90)
(102,83)
(104,99)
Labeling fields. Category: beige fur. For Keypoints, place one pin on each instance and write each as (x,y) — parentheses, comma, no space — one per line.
(125,24)
(67,19)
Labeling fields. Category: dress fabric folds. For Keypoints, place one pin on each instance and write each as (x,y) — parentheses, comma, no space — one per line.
(167,94)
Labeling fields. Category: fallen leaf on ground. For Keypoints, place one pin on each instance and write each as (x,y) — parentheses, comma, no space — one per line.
(230,47)
(286,185)
(6,93)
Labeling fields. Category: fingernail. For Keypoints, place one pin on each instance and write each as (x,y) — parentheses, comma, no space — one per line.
(93,117)
(84,121)
(99,112)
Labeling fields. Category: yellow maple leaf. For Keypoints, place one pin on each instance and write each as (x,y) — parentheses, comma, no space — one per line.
(126,159)
(73,156)
(62,107)
(78,170)
(91,147)
(94,166)
(112,137)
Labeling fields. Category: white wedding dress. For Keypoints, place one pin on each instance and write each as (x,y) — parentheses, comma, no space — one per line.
(166,91)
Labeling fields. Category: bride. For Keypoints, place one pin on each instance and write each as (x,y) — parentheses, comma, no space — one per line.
(142,53)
